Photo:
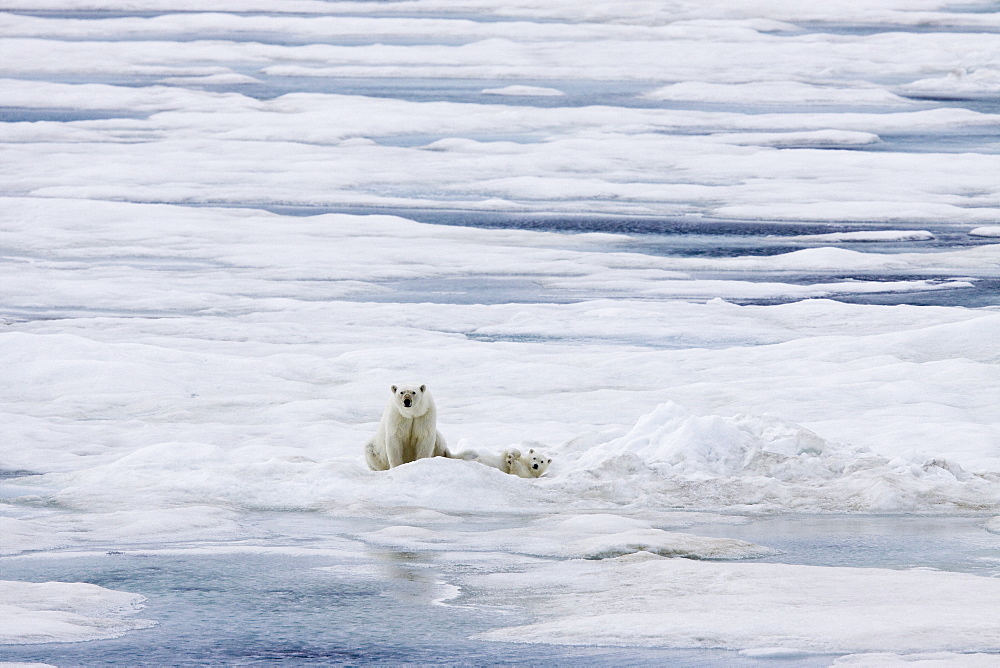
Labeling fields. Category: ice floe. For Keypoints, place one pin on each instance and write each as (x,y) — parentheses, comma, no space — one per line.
(527,91)
(123,527)
(869,235)
(647,600)
(923,660)
(775,93)
(959,83)
(46,612)
(585,536)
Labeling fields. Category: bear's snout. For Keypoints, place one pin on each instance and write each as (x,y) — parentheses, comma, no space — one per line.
(407,401)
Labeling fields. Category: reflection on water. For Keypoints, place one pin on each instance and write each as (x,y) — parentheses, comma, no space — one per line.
(312,596)
(274,609)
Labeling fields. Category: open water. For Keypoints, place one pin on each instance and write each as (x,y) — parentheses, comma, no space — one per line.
(312,594)
(294,598)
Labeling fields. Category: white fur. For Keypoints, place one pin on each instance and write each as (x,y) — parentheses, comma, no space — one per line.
(406,433)
(500,461)
(530,465)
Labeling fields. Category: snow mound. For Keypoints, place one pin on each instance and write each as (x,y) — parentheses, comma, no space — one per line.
(32,613)
(670,459)
(988,231)
(710,445)
(711,461)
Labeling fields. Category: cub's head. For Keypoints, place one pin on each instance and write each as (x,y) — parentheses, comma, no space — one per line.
(536,461)
(411,400)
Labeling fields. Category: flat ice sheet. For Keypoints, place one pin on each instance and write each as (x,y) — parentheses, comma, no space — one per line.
(773,113)
(65,612)
(647,600)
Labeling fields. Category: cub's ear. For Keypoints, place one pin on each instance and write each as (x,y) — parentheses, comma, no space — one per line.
(423,388)
(531,451)
(394,389)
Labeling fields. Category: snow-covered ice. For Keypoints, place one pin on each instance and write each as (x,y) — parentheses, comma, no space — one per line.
(925,660)
(528,91)
(871,235)
(65,612)
(585,536)
(226,233)
(644,599)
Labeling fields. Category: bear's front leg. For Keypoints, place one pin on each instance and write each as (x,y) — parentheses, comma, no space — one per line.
(394,453)
(424,447)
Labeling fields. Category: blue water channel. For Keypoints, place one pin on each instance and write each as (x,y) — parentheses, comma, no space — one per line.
(312,594)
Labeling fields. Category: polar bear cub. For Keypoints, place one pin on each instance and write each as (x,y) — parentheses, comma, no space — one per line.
(407,431)
(530,465)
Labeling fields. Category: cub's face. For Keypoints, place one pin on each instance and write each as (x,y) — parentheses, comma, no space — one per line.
(537,462)
(409,398)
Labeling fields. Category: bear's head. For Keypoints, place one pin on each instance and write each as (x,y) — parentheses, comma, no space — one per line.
(537,462)
(411,400)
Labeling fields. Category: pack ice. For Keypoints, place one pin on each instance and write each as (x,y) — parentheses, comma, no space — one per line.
(212,270)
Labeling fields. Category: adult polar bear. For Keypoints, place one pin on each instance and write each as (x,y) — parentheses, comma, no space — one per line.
(407,431)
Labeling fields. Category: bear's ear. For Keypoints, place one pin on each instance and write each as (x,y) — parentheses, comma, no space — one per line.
(423,388)
(394,389)
(531,451)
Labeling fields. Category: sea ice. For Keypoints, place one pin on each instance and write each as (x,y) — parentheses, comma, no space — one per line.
(528,91)
(642,599)
(65,612)
(869,235)
(776,93)
(584,536)
(47,531)
(924,660)
(959,83)
(242,379)
(172,365)
(334,150)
